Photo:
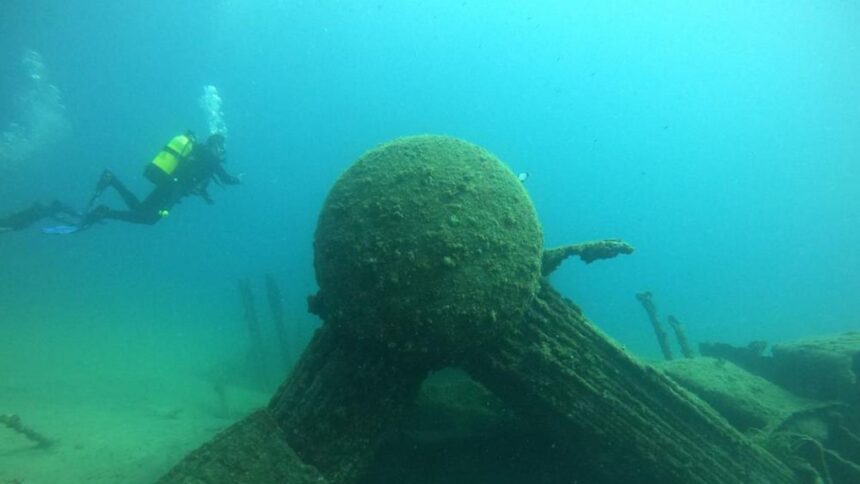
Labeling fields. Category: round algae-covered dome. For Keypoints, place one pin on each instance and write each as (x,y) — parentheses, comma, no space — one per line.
(427,244)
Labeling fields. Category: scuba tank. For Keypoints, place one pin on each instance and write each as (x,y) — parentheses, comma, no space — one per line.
(161,169)
(173,152)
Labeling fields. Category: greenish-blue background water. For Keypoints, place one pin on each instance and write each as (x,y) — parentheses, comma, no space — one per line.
(722,139)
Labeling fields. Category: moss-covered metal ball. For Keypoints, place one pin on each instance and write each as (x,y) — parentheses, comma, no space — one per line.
(427,244)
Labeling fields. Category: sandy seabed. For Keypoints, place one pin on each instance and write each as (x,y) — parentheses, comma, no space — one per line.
(119,407)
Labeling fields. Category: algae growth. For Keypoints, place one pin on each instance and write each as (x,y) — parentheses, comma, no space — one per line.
(427,233)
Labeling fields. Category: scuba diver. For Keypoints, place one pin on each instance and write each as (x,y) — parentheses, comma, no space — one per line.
(182,168)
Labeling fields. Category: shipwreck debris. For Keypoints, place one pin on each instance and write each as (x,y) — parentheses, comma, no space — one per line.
(13,422)
(647,301)
(681,335)
(256,351)
(276,306)
(394,310)
(588,252)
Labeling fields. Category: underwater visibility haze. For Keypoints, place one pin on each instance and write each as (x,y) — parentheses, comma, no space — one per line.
(720,139)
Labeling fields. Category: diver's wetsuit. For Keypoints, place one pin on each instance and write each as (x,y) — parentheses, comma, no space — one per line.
(36,212)
(191,177)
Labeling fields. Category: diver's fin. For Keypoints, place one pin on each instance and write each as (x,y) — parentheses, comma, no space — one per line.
(61,229)
(106,179)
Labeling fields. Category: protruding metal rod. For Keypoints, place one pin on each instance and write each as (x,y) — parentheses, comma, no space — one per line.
(648,303)
(681,335)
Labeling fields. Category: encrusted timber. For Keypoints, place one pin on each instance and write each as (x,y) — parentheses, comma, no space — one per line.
(328,418)
(251,451)
(561,372)
(323,425)
(340,399)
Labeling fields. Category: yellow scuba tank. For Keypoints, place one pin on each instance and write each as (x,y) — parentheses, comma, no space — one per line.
(176,150)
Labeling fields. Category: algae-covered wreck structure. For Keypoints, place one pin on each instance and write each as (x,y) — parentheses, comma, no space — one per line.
(429,255)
